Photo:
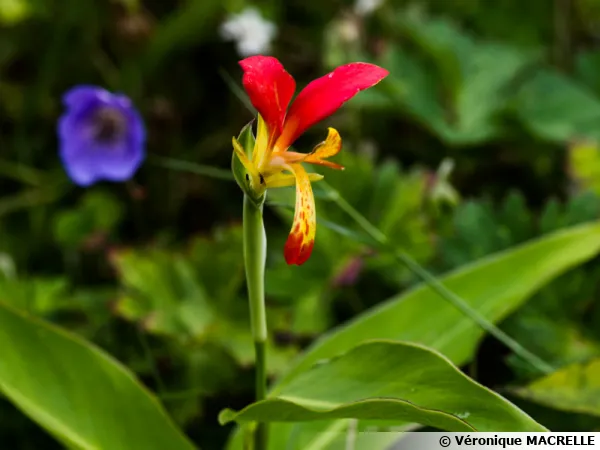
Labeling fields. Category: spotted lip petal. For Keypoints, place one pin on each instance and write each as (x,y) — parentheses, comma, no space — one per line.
(301,239)
(324,96)
(270,89)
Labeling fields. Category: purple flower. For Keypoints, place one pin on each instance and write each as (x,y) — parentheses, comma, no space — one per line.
(101,134)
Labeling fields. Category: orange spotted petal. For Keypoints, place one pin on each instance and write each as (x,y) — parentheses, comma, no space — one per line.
(326,149)
(301,240)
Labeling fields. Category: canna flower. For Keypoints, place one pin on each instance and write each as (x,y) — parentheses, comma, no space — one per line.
(101,135)
(272,164)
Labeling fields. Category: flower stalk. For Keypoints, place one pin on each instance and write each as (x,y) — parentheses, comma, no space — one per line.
(255,253)
(264,161)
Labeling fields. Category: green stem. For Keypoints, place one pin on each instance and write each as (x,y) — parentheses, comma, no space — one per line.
(260,434)
(255,253)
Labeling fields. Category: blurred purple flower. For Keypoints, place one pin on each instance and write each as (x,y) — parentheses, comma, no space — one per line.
(102,136)
(349,274)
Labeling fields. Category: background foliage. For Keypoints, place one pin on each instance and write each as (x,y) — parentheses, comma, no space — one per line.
(483,138)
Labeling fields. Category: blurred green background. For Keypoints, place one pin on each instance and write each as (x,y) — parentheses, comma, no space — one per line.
(483,137)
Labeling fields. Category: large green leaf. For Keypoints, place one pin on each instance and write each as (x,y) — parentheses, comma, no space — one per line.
(329,435)
(385,380)
(494,286)
(79,394)
(575,388)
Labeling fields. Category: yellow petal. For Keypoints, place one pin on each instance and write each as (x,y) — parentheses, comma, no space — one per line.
(326,149)
(301,240)
(285,179)
(259,155)
(254,177)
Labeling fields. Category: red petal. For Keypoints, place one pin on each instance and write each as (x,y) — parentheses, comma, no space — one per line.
(297,252)
(325,95)
(270,89)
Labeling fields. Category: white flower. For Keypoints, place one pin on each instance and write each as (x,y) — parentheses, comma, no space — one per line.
(7,266)
(348,29)
(252,33)
(365,7)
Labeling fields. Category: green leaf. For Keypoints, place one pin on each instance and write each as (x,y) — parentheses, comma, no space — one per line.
(188,25)
(79,394)
(474,234)
(422,316)
(556,338)
(98,213)
(386,380)
(480,228)
(166,293)
(584,165)
(216,258)
(441,42)
(555,108)
(327,435)
(442,84)
(163,291)
(494,286)
(587,63)
(131,6)
(14,11)
(39,295)
(574,388)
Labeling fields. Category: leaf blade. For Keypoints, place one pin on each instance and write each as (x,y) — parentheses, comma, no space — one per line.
(77,392)
(386,380)
(574,388)
(526,268)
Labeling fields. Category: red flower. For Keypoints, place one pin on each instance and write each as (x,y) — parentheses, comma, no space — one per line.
(270,89)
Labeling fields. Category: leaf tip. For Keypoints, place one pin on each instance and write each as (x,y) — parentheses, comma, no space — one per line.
(226,416)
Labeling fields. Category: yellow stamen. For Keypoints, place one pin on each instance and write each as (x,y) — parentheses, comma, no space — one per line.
(284,179)
(326,149)
(261,153)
